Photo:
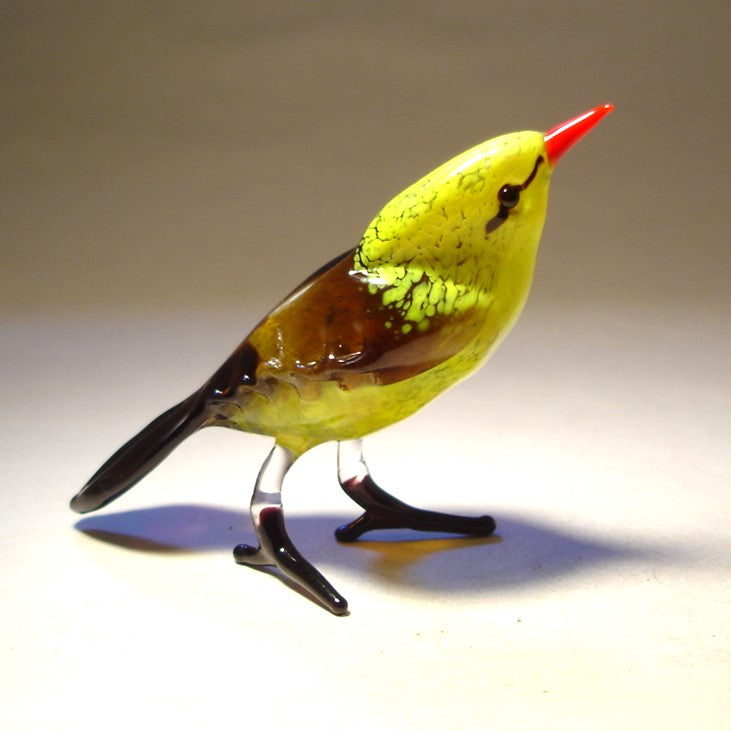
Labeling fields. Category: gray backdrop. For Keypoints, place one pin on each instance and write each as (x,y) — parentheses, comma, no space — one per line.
(191,154)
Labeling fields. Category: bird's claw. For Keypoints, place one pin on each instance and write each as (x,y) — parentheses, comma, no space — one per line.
(277,551)
(251,556)
(356,528)
(415,519)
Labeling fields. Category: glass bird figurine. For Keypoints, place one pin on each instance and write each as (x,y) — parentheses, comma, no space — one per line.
(437,280)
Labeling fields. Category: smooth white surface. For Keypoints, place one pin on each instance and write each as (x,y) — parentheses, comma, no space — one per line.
(604,603)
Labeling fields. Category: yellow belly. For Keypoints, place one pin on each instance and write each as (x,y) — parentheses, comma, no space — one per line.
(301,418)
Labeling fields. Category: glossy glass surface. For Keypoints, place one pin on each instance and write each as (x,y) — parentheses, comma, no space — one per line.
(438,279)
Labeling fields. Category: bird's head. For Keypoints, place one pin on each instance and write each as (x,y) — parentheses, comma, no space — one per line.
(476,219)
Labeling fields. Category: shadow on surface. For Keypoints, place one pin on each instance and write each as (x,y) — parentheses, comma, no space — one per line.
(521,551)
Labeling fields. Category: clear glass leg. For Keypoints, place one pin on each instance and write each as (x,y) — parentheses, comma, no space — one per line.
(275,547)
(385,511)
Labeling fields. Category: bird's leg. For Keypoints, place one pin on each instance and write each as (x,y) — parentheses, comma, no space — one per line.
(385,511)
(275,546)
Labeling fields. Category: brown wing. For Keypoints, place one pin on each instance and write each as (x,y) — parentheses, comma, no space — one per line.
(333,328)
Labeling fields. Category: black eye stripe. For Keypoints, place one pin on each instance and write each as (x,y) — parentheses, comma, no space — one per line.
(529,179)
(496,221)
(508,197)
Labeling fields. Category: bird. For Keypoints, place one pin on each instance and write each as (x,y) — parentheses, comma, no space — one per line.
(435,283)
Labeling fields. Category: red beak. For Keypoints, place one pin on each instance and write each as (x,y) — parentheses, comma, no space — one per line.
(559,138)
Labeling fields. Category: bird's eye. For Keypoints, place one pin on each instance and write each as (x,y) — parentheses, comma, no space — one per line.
(508,196)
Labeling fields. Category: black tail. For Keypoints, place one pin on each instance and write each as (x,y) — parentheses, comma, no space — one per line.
(139,455)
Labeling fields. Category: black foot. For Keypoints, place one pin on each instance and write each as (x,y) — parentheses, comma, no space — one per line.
(277,550)
(385,511)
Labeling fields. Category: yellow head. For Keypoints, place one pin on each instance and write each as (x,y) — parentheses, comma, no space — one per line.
(467,234)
